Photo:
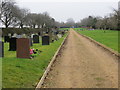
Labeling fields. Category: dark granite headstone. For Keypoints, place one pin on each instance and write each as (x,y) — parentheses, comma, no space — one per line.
(63,33)
(35,39)
(45,40)
(12,44)
(23,48)
(6,39)
(39,33)
(1,49)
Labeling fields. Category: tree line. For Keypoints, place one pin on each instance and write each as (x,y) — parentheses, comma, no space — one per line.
(111,22)
(14,16)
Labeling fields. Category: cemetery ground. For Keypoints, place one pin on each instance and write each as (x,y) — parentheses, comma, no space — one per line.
(82,64)
(26,73)
(106,37)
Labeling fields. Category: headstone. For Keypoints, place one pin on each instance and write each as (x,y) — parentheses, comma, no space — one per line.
(1,49)
(35,39)
(12,44)
(32,35)
(18,36)
(23,48)
(23,36)
(59,35)
(6,38)
(14,35)
(63,33)
(39,33)
(45,40)
(9,34)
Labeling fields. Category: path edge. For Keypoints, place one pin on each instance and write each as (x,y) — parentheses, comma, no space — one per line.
(115,53)
(40,83)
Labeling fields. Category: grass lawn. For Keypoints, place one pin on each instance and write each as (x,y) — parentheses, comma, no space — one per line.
(79,28)
(26,73)
(106,37)
(64,28)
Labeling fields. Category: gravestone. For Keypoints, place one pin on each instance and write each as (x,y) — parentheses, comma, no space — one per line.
(9,34)
(63,33)
(23,48)
(12,44)
(59,35)
(39,33)
(18,36)
(14,35)
(35,39)
(6,38)
(45,40)
(1,49)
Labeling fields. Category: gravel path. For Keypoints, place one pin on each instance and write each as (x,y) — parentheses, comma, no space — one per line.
(82,64)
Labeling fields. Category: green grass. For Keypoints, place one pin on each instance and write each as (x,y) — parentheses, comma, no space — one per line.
(106,37)
(79,28)
(64,28)
(26,73)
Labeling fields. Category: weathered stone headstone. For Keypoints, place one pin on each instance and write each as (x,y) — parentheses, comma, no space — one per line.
(59,35)
(1,49)
(18,36)
(9,34)
(23,48)
(12,44)
(23,36)
(45,40)
(35,39)
(6,38)
(14,35)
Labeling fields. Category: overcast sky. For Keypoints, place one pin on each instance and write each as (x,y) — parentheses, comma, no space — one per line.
(61,10)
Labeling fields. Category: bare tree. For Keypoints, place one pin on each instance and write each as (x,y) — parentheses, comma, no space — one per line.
(7,12)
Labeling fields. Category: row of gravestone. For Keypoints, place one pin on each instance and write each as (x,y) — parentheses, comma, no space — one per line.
(22,45)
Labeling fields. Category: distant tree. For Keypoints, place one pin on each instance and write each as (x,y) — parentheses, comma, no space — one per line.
(70,22)
(21,17)
(7,12)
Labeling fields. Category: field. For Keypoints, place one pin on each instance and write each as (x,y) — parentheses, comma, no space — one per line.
(26,73)
(64,28)
(106,37)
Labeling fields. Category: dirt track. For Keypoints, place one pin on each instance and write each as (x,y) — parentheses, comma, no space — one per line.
(83,65)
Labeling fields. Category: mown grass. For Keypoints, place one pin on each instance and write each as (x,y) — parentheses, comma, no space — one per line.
(26,73)
(79,28)
(106,37)
(64,28)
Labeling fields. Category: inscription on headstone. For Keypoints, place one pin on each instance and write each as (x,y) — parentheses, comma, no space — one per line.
(23,48)
(12,44)
(35,39)
(45,40)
